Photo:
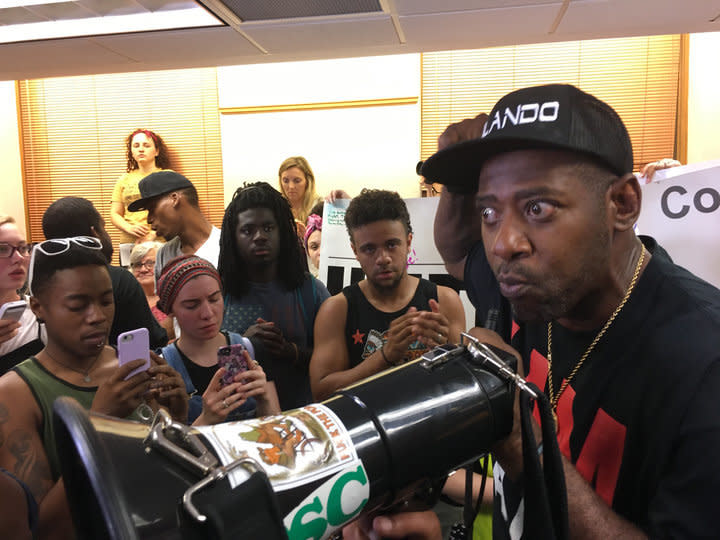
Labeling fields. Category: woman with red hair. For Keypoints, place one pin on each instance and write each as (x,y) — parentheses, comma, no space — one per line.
(146,153)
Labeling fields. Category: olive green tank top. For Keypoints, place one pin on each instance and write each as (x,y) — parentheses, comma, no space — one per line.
(46,387)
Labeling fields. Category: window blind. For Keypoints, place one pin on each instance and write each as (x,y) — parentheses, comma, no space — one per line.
(637,76)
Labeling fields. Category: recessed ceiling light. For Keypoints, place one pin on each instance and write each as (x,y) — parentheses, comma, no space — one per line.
(26,3)
(144,21)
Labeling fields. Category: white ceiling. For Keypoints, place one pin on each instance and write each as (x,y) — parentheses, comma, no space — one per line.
(398,26)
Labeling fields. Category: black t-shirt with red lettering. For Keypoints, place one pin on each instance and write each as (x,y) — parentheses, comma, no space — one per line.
(641,419)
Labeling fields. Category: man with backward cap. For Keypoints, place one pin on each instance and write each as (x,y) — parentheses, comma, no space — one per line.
(537,217)
(174,212)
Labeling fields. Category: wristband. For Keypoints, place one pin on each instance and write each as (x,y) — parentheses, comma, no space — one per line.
(388,362)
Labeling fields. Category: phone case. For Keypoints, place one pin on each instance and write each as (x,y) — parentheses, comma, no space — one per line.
(231,357)
(13,310)
(133,345)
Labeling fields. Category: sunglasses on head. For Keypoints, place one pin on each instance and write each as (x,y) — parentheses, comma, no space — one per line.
(8,250)
(56,246)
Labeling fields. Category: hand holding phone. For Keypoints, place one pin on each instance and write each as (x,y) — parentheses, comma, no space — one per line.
(134,345)
(13,311)
(233,359)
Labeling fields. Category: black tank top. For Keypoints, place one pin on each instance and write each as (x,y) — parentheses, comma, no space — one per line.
(366,326)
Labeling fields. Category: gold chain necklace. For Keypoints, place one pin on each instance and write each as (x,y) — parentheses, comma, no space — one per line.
(554,398)
(84,372)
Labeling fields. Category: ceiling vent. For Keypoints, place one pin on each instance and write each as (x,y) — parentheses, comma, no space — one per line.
(265,10)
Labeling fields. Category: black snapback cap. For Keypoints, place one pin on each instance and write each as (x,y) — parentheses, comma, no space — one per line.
(554,116)
(156,184)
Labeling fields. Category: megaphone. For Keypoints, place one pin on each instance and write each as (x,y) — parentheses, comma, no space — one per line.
(299,475)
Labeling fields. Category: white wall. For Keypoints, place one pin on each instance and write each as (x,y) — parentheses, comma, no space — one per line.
(12,201)
(319,81)
(704,98)
(348,148)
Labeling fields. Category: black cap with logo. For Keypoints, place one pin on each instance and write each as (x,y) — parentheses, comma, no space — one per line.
(555,116)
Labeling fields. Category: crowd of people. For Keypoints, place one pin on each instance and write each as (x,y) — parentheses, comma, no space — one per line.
(536,218)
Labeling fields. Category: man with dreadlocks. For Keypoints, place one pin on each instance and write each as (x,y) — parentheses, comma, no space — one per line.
(269,297)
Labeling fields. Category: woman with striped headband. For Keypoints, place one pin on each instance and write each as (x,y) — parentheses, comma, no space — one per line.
(189,289)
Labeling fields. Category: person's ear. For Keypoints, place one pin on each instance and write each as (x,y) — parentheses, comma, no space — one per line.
(625,201)
(352,245)
(409,240)
(37,309)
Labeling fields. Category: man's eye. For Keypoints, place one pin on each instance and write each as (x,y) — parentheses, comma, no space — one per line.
(489,215)
(540,209)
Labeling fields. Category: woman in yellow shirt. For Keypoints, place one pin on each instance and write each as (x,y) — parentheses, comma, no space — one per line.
(146,153)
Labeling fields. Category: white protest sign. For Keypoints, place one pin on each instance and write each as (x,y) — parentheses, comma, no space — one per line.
(339,268)
(681,210)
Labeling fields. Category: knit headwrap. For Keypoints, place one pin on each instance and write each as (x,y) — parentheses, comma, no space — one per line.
(176,274)
(314,223)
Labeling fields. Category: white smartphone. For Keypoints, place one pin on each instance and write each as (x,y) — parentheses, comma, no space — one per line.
(13,311)
(134,345)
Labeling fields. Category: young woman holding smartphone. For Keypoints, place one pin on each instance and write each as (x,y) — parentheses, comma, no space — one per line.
(20,333)
(189,289)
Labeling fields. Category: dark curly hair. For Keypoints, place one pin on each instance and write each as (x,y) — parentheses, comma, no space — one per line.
(233,272)
(70,216)
(376,205)
(162,161)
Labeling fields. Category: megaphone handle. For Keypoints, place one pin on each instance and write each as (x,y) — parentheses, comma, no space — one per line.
(249,510)
(216,474)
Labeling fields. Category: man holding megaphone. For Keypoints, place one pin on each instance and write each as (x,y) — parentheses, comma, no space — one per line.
(537,216)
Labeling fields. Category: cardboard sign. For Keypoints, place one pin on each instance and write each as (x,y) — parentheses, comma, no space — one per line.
(681,210)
